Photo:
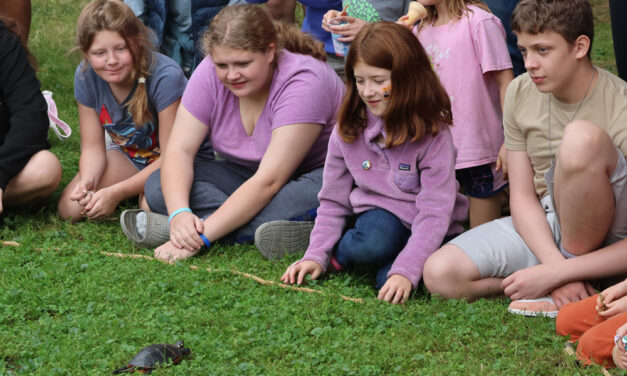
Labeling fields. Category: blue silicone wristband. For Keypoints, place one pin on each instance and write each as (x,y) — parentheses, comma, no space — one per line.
(177,212)
(205,240)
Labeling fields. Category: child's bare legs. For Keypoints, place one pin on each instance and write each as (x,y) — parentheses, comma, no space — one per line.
(583,196)
(449,272)
(485,209)
(38,179)
(117,169)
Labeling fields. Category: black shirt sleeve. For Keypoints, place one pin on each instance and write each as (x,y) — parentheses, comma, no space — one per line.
(23,109)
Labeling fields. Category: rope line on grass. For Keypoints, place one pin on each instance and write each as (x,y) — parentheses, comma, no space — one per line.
(195,267)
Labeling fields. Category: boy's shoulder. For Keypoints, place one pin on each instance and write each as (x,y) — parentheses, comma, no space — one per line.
(612,82)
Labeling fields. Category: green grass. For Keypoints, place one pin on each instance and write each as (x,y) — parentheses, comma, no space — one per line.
(67,309)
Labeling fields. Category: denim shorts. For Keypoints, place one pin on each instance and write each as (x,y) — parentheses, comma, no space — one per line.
(498,250)
(480,181)
(137,165)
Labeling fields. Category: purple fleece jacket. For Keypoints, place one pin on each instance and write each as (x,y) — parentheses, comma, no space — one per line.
(415,181)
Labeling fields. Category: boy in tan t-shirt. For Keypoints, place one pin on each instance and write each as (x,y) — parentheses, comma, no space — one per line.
(566,137)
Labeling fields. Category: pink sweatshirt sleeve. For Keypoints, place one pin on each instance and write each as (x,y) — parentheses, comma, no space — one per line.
(337,184)
(435,204)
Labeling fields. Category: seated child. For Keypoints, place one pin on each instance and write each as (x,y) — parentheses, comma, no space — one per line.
(594,322)
(566,136)
(27,170)
(389,195)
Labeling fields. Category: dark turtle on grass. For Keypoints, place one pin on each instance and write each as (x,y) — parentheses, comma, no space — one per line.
(151,356)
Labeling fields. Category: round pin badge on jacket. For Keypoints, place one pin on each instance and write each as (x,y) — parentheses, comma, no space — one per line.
(366,165)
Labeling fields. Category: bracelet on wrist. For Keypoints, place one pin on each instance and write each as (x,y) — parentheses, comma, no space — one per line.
(177,212)
(205,240)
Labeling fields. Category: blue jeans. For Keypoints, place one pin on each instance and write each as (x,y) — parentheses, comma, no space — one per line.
(375,240)
(214,181)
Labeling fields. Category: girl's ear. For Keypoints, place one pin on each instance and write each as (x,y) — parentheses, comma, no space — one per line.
(582,45)
(270,52)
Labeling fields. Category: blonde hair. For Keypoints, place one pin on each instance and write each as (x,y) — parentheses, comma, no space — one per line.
(456,8)
(249,27)
(114,15)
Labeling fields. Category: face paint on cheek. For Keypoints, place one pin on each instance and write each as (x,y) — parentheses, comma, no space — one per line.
(386,93)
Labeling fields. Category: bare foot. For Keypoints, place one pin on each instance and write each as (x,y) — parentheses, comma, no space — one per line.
(168,252)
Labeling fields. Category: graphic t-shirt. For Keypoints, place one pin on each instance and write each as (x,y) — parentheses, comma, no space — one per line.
(164,85)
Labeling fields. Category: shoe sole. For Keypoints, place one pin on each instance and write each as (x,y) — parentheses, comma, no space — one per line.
(550,314)
(156,233)
(279,238)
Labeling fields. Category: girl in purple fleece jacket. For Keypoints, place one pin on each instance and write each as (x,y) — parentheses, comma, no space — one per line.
(389,195)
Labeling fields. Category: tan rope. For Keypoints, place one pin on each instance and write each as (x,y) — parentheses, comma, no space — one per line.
(194,267)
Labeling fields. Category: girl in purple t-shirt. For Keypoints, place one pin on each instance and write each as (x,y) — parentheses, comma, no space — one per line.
(267,112)
(389,195)
(127,91)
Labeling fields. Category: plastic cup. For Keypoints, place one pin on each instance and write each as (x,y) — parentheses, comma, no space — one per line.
(341,48)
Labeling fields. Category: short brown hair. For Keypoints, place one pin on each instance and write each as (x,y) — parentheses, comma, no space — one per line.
(568,18)
(249,27)
(418,103)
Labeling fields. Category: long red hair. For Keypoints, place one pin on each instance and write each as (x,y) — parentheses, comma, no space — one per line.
(418,103)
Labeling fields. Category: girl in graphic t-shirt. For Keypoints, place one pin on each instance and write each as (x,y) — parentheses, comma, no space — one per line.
(267,101)
(389,195)
(131,93)
(468,51)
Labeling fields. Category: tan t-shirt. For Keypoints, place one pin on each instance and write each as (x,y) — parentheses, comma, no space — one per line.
(526,119)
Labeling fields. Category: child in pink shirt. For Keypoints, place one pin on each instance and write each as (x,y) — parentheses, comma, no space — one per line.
(468,51)
(389,195)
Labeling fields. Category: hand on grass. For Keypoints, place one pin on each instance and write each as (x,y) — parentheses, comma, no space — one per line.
(184,230)
(396,289)
(501,161)
(102,203)
(612,293)
(296,273)
(571,292)
(170,253)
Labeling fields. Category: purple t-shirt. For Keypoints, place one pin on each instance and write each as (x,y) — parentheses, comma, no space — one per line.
(303,90)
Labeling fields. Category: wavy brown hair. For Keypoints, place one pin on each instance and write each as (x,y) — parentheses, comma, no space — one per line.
(249,27)
(114,15)
(418,103)
(456,8)
(568,18)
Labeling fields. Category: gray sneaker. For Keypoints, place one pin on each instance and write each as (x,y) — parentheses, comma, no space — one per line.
(277,238)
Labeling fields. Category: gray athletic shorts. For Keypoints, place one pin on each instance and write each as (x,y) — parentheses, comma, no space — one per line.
(498,251)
